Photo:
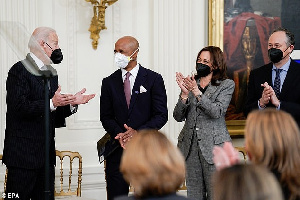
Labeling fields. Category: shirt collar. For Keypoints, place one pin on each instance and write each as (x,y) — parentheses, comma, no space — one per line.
(133,72)
(285,67)
(38,62)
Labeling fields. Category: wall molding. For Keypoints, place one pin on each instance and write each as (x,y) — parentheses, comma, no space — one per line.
(12,44)
(171,31)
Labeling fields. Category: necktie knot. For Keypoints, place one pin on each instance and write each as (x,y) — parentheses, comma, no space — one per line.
(278,71)
(127,75)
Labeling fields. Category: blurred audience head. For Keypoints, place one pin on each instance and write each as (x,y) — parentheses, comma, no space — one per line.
(272,138)
(152,164)
(245,182)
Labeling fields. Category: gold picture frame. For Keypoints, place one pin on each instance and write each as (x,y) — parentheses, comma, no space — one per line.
(241,29)
(215,22)
(215,37)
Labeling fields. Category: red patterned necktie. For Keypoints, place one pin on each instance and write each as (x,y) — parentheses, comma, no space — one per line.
(127,88)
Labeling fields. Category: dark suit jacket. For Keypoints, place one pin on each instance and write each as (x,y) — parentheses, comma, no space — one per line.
(290,92)
(147,110)
(166,197)
(25,133)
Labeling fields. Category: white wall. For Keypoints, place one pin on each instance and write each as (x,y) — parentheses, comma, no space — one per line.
(170,32)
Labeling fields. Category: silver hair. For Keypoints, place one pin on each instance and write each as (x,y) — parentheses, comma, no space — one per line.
(41,33)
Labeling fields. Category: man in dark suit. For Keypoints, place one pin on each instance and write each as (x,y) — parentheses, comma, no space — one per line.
(129,102)
(277,83)
(24,144)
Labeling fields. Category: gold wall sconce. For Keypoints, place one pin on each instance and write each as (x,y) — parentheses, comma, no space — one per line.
(98,20)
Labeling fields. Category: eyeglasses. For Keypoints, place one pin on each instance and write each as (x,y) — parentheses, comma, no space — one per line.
(55,46)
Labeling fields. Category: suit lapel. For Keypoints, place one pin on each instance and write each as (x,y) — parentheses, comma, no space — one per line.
(32,67)
(139,81)
(119,86)
(210,90)
(269,72)
(40,80)
(53,85)
(291,75)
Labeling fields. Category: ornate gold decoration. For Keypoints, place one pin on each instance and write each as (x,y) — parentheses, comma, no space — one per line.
(215,37)
(215,22)
(98,20)
(249,46)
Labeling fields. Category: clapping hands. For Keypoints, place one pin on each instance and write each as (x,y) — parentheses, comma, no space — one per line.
(187,84)
(268,95)
(65,99)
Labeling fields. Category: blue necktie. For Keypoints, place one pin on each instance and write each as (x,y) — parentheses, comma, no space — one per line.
(277,82)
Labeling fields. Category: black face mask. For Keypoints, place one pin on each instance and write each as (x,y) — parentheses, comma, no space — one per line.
(202,69)
(57,56)
(275,55)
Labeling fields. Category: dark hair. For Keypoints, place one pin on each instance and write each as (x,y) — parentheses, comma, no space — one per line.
(289,35)
(218,64)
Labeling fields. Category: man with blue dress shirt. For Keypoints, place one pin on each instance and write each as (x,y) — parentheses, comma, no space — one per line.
(276,84)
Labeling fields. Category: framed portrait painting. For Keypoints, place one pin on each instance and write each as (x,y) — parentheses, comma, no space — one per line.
(241,28)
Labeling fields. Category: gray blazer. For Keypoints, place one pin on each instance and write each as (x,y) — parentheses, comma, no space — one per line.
(206,118)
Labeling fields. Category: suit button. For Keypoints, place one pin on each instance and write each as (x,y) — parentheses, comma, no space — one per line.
(197,129)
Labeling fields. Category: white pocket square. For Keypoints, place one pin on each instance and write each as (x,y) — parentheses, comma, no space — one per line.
(142,89)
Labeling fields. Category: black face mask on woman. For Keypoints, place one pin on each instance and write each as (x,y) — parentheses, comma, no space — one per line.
(276,55)
(56,55)
(202,70)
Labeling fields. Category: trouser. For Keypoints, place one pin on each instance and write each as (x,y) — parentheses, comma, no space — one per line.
(115,183)
(25,184)
(199,173)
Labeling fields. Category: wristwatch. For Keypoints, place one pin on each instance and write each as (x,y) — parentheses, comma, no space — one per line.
(199,96)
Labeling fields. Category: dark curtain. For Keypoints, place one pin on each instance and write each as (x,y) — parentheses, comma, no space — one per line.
(290,18)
